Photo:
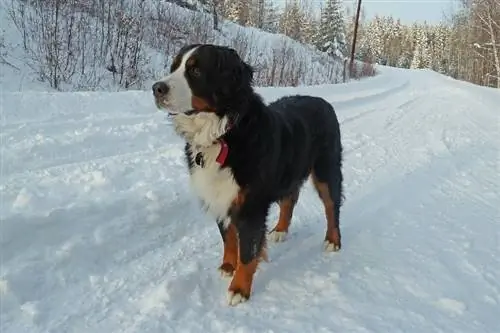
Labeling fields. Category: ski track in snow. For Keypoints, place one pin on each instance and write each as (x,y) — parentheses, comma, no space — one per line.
(101,233)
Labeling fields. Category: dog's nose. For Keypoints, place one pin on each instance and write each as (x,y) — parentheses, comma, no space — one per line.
(160,88)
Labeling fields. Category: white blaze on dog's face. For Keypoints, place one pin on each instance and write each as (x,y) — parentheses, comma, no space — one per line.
(173,91)
(203,91)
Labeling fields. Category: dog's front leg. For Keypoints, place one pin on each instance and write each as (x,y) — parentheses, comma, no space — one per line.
(230,239)
(251,228)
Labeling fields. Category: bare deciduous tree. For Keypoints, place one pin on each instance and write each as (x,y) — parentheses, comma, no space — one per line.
(486,23)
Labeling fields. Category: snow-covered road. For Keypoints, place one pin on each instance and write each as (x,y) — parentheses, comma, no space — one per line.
(100,232)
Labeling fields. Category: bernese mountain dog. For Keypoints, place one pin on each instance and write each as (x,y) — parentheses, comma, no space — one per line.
(243,155)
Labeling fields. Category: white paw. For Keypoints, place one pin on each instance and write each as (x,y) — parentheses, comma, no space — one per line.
(225,274)
(331,247)
(235,298)
(278,236)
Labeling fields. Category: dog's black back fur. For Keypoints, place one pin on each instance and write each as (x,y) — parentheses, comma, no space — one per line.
(274,148)
(272,151)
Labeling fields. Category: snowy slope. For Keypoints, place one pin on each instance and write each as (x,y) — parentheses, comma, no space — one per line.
(100,232)
(303,64)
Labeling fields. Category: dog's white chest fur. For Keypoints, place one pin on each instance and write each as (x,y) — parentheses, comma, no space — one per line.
(216,187)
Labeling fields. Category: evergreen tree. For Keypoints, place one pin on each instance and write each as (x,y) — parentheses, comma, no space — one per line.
(421,55)
(292,21)
(271,17)
(331,34)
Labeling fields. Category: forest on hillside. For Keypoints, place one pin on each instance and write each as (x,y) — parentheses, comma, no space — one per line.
(465,45)
(81,43)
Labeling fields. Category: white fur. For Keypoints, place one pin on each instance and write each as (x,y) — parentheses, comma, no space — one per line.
(215,186)
(330,247)
(226,223)
(225,274)
(200,129)
(178,99)
(278,236)
(234,299)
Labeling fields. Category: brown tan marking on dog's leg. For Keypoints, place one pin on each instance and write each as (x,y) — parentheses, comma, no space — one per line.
(230,236)
(287,204)
(241,284)
(249,219)
(230,257)
(332,237)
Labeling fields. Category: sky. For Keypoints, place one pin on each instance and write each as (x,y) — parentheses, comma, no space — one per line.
(408,11)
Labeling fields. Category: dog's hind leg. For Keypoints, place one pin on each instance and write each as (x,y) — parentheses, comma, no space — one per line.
(327,179)
(287,204)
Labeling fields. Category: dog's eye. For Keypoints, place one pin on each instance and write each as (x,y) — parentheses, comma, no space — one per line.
(195,71)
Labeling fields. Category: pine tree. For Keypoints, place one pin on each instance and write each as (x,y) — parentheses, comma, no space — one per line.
(253,13)
(361,50)
(260,10)
(271,17)
(439,54)
(377,42)
(292,21)
(331,34)
(421,55)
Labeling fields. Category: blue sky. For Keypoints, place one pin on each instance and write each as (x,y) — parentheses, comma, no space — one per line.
(407,10)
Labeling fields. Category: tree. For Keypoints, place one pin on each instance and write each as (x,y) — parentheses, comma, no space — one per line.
(331,33)
(233,10)
(292,21)
(271,17)
(485,15)
(421,58)
(217,8)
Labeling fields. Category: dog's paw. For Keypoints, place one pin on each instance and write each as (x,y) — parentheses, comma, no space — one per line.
(226,270)
(331,247)
(234,298)
(277,236)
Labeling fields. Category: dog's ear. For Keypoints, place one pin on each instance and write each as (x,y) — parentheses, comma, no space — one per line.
(232,81)
(245,69)
(237,74)
(247,72)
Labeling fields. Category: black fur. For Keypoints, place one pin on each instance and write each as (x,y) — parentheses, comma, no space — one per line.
(272,149)
(222,229)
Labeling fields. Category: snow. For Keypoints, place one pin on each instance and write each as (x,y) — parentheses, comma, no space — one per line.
(100,231)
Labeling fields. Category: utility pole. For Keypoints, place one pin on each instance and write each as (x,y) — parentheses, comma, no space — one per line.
(351,65)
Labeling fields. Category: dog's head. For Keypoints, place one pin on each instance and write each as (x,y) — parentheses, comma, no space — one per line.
(204,77)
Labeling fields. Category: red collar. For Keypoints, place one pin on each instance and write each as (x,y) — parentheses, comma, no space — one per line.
(224,151)
(224,148)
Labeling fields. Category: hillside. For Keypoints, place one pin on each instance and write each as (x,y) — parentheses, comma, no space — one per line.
(99,45)
(100,232)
